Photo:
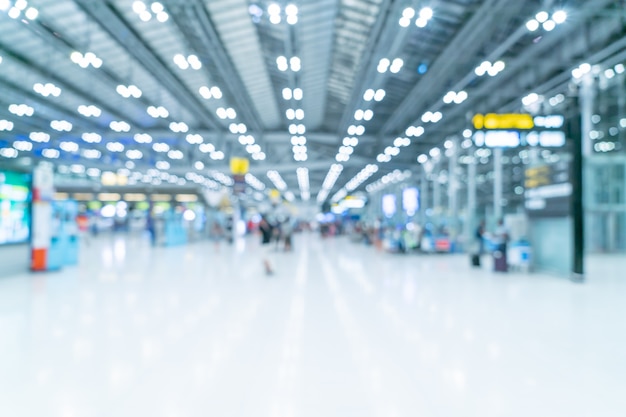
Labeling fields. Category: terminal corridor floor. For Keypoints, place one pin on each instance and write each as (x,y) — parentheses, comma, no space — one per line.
(339,330)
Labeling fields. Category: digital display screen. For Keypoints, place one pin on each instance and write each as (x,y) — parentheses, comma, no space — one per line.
(389,205)
(410,200)
(14,207)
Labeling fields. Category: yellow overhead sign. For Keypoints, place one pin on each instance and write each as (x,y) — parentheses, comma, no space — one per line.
(239,166)
(493,121)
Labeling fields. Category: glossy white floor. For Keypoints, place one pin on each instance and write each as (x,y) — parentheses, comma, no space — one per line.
(339,330)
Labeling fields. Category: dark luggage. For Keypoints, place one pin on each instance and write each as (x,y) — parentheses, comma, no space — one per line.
(499,261)
(476,260)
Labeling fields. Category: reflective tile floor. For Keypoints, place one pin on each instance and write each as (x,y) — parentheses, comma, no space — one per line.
(339,330)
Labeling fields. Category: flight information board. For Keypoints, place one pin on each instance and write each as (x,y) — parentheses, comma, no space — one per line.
(549,189)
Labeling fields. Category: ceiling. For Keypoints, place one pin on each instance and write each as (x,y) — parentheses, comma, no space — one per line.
(171,91)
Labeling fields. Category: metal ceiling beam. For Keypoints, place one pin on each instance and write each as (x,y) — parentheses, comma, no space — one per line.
(61,114)
(113,23)
(379,39)
(468,41)
(35,67)
(518,65)
(194,22)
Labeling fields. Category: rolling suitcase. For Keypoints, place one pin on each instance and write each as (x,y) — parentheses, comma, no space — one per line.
(499,261)
(476,260)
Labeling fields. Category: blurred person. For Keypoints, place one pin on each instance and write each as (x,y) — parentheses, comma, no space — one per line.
(480,237)
(267,232)
(500,239)
(276,233)
(286,229)
(217,234)
(501,236)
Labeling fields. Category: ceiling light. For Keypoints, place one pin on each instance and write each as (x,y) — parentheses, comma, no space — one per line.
(180,127)
(31,13)
(396,65)
(89,111)
(297,94)
(287,93)
(115,147)
(143,138)
(175,154)
(14,13)
(46,90)
(295,64)
(379,95)
(139,6)
(68,146)
(383,65)
(21,110)
(134,154)
(369,94)
(39,137)
(50,153)
(530,99)
(549,25)
(23,146)
(90,137)
(426,13)
(221,113)
(6,126)
(205,92)
(206,148)
(542,16)
(461,96)
(275,19)
(291,114)
(216,92)
(559,17)
(282,63)
(273,9)
(61,125)
(532,25)
(194,61)
(119,126)
(145,16)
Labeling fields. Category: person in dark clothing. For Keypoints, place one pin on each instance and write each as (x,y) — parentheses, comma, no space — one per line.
(266,238)
(480,237)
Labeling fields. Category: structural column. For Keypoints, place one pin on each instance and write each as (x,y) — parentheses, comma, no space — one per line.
(497,183)
(471,197)
(453,187)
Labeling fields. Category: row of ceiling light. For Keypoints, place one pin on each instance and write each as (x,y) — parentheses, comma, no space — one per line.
(329,182)
(145,13)
(423,17)
(20,6)
(543,19)
(303,183)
